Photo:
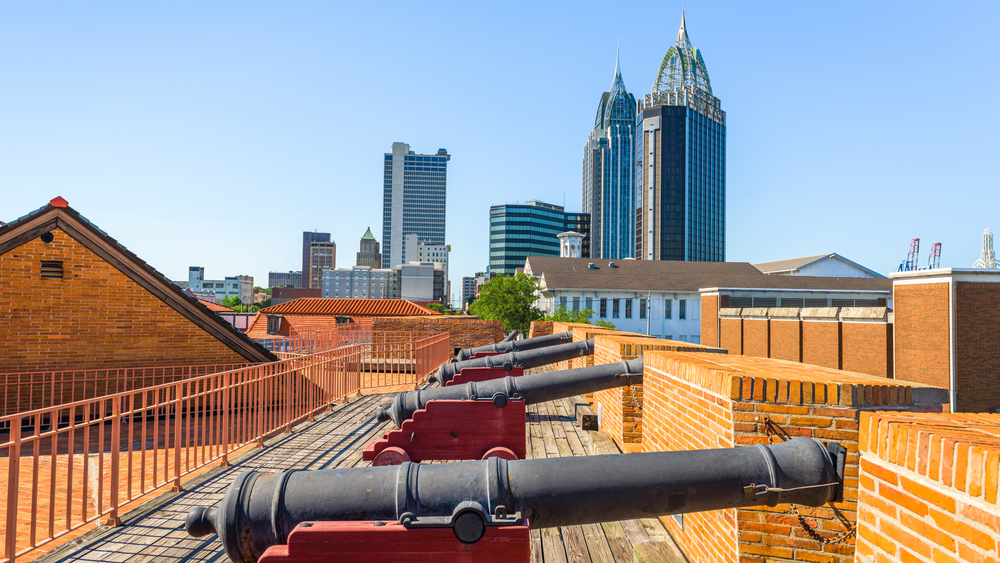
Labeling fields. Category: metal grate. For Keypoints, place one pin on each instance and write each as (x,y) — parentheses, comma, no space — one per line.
(866,302)
(841,302)
(52,270)
(793,302)
(816,302)
(765,301)
(740,302)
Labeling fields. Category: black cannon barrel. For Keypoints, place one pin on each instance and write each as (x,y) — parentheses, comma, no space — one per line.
(523,358)
(512,336)
(536,388)
(510,345)
(259,511)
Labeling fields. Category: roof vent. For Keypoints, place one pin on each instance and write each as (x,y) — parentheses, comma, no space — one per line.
(592,266)
(612,265)
(52,270)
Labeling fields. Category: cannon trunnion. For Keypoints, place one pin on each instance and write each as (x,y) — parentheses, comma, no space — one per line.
(260,511)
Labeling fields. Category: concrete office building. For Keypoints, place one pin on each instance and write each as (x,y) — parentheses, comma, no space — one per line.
(230,286)
(608,174)
(359,282)
(680,162)
(468,290)
(284,279)
(414,195)
(322,256)
(368,253)
(416,281)
(417,250)
(307,239)
(531,229)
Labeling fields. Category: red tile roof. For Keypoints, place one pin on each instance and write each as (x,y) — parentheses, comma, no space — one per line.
(215,307)
(350,307)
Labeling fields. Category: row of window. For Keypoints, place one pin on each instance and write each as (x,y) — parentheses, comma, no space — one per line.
(617,307)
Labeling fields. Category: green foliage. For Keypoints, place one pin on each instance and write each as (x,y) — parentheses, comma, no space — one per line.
(605,324)
(564,316)
(509,299)
(439,308)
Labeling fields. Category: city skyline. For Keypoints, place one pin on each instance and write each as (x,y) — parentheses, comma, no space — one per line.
(156,140)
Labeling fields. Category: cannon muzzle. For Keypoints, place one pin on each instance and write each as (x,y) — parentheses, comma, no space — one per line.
(509,344)
(526,358)
(259,511)
(512,336)
(536,388)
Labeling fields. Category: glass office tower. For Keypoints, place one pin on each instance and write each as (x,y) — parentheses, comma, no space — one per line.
(413,200)
(680,162)
(608,171)
(519,231)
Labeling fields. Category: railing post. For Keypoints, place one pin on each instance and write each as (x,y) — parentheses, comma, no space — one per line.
(13,472)
(116,434)
(297,363)
(178,391)
(224,435)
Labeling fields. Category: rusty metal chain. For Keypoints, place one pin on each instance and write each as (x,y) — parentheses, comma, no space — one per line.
(771,430)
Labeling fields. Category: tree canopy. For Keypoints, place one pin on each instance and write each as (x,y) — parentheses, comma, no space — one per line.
(561,315)
(509,299)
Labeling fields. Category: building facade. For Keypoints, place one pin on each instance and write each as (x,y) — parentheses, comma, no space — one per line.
(416,249)
(680,162)
(322,256)
(231,286)
(307,239)
(420,281)
(359,282)
(530,229)
(284,279)
(414,196)
(468,290)
(609,172)
(368,254)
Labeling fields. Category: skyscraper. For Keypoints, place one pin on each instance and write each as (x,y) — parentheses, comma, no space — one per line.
(368,254)
(608,172)
(307,239)
(322,256)
(680,162)
(530,229)
(413,200)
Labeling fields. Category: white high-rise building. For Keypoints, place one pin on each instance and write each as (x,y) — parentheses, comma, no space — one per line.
(415,189)
(358,282)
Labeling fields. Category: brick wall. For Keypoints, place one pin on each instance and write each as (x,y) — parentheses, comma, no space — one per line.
(786,339)
(540,328)
(928,488)
(730,330)
(697,401)
(95,317)
(710,320)
(465,332)
(922,351)
(821,342)
(867,348)
(621,407)
(977,346)
(756,333)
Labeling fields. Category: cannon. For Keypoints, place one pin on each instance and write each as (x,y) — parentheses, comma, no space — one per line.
(510,345)
(532,389)
(523,358)
(259,511)
(512,336)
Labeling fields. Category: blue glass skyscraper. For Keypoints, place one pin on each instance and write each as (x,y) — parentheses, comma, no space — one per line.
(608,168)
(680,162)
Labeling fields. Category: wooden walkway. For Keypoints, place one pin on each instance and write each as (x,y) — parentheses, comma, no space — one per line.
(154,532)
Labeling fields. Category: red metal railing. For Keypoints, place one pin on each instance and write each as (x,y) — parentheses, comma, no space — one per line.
(71,465)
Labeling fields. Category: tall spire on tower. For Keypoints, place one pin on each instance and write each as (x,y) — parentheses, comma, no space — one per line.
(618,83)
(682,66)
(682,34)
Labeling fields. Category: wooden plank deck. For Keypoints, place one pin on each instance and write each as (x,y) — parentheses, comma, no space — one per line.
(154,532)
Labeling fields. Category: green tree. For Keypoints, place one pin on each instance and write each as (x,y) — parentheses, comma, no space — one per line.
(439,308)
(561,315)
(509,299)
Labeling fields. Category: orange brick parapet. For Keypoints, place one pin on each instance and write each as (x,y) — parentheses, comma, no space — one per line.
(465,332)
(700,401)
(540,328)
(620,408)
(928,488)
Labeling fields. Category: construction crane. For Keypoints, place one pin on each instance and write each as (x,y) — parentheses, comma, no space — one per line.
(934,260)
(912,259)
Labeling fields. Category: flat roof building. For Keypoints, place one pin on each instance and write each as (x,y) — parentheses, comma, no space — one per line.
(518,231)
(414,197)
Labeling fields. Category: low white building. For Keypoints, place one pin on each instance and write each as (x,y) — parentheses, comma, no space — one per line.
(664,298)
(822,265)
(416,250)
(231,286)
(358,282)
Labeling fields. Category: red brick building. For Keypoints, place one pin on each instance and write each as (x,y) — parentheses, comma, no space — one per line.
(317,314)
(74,298)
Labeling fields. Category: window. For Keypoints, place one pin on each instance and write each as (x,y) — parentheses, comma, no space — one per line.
(576,304)
(562,303)
(589,303)
(668,309)
(52,270)
(628,308)
(273,324)
(614,308)
(604,307)
(642,308)
(682,309)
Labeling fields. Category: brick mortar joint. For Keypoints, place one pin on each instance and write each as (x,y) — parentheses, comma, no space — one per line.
(959,495)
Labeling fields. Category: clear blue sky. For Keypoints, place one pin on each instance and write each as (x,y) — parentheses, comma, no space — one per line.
(214,133)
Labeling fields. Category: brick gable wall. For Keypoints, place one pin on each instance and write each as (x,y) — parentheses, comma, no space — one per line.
(922,334)
(465,333)
(977,346)
(95,317)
